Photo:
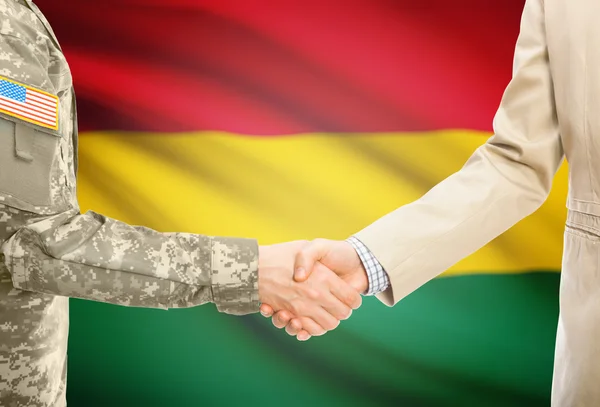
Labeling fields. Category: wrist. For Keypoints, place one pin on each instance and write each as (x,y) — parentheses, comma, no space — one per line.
(359,279)
(376,276)
(263,254)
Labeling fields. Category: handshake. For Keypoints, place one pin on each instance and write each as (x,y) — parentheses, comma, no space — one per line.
(309,287)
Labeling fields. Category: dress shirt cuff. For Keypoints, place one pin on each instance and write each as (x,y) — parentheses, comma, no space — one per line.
(376,275)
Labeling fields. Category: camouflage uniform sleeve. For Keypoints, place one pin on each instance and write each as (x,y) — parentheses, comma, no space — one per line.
(93,257)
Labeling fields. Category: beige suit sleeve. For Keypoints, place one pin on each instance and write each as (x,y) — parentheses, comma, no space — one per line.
(505,180)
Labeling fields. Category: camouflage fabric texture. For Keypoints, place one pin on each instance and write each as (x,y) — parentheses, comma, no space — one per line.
(50,251)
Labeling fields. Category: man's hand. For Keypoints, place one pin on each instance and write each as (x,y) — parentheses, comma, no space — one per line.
(338,256)
(318,303)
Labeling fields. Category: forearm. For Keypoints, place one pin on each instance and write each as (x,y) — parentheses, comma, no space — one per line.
(505,180)
(94,257)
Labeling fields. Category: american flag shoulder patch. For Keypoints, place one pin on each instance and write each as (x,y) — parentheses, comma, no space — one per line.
(29,104)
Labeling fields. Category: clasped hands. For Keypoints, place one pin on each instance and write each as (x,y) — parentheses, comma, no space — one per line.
(309,287)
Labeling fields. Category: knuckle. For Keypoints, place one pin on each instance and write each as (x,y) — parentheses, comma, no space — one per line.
(324,279)
(313,294)
(350,299)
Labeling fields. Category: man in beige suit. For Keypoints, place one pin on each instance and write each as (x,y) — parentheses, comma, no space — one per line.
(550,109)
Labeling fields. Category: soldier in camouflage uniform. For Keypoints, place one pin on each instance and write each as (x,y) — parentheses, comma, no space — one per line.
(50,251)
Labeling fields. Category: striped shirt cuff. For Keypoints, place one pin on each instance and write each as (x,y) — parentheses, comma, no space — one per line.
(378,278)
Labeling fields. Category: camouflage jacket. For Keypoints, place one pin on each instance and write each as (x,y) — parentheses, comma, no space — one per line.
(50,251)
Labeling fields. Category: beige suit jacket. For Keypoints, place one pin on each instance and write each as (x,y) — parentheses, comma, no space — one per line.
(550,110)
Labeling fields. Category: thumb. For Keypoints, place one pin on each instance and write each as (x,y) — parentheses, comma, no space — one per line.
(307,257)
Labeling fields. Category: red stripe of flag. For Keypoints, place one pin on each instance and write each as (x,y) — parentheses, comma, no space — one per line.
(13,107)
(42,99)
(47,114)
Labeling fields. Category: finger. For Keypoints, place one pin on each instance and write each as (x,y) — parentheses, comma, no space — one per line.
(345,293)
(303,336)
(294,327)
(322,317)
(328,299)
(308,256)
(266,310)
(281,319)
(311,327)
(335,308)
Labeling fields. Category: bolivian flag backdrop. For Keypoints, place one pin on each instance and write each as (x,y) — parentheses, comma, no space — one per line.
(290,119)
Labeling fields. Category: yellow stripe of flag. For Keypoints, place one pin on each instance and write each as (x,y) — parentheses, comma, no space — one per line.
(294,187)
